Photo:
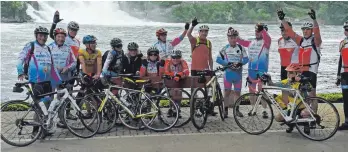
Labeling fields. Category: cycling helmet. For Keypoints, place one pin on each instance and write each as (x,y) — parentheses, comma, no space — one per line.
(204,27)
(152,49)
(282,26)
(73,25)
(133,46)
(307,25)
(59,31)
(115,42)
(41,30)
(232,32)
(261,24)
(176,53)
(345,24)
(88,39)
(294,67)
(160,31)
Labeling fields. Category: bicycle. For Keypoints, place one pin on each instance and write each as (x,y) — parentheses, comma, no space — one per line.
(43,124)
(201,109)
(296,116)
(148,107)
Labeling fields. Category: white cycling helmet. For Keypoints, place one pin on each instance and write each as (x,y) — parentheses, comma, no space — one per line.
(345,24)
(204,27)
(307,25)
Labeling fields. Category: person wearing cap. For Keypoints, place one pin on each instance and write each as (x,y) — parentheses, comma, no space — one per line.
(258,52)
(234,56)
(309,47)
(201,49)
(342,75)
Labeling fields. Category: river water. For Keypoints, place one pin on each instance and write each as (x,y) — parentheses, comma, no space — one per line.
(15,36)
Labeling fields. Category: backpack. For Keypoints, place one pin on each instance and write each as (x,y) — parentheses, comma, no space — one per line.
(240,47)
(112,63)
(198,42)
(316,51)
(26,64)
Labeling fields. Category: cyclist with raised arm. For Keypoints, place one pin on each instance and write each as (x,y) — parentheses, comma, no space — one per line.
(258,52)
(164,46)
(70,40)
(35,62)
(308,54)
(233,55)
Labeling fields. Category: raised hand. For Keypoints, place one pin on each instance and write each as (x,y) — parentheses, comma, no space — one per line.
(187,26)
(312,14)
(194,21)
(56,18)
(281,14)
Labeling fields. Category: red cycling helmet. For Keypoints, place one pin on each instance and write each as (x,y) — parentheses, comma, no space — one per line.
(161,31)
(59,31)
(294,67)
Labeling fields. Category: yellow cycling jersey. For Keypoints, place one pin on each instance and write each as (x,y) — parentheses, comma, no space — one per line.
(90,60)
(286,84)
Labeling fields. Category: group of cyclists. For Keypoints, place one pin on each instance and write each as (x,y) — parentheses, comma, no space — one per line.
(45,66)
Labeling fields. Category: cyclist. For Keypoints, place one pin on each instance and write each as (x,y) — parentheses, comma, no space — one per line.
(35,62)
(308,54)
(258,55)
(164,46)
(201,49)
(70,39)
(113,63)
(342,75)
(293,81)
(91,63)
(131,61)
(152,66)
(235,55)
(177,68)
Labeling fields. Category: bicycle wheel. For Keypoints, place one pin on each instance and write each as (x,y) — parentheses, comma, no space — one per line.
(17,119)
(126,119)
(155,113)
(251,123)
(219,102)
(326,120)
(184,107)
(88,122)
(199,108)
(108,116)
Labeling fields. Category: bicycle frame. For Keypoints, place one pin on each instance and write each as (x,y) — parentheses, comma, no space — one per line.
(293,104)
(109,95)
(213,82)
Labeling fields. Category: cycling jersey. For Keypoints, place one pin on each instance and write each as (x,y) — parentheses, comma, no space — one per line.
(286,50)
(180,69)
(63,57)
(201,54)
(235,54)
(344,55)
(113,66)
(151,68)
(258,52)
(74,43)
(287,84)
(90,60)
(40,67)
(309,51)
(165,48)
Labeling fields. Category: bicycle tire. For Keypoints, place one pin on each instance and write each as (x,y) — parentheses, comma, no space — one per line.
(37,112)
(238,103)
(185,121)
(220,102)
(298,125)
(156,100)
(110,115)
(86,126)
(204,109)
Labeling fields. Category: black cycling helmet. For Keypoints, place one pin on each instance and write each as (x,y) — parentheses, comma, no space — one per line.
(152,49)
(41,30)
(116,42)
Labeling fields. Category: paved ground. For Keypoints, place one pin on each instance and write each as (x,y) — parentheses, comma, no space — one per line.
(216,136)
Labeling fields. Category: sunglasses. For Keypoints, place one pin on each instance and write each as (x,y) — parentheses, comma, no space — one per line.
(93,42)
(133,50)
(176,57)
(118,46)
(291,72)
(304,29)
(153,54)
(74,30)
